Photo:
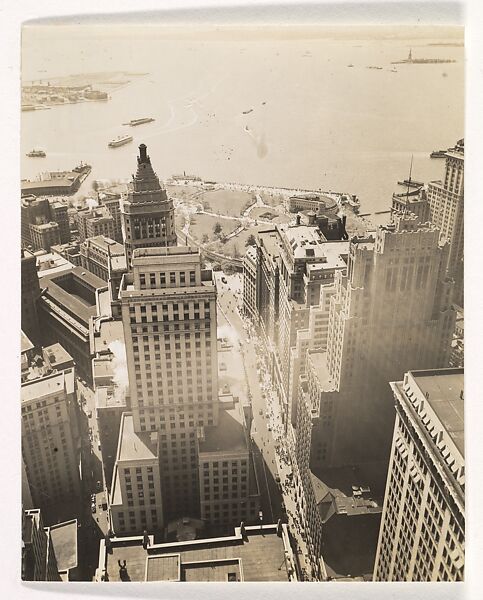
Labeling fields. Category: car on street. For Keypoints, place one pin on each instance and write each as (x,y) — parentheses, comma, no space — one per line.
(99,446)
(98,486)
(89,414)
(277,478)
(260,412)
(93,508)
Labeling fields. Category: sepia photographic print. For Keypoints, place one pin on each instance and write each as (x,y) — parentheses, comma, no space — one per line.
(242,303)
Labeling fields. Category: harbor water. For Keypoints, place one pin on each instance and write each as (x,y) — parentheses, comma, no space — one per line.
(288,113)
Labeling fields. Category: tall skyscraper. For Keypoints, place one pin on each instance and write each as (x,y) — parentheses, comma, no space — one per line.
(184,446)
(446,207)
(422,530)
(147,212)
(390,313)
(169,319)
(50,436)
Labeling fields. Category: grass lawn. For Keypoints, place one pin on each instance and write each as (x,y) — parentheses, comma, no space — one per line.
(204,224)
(183,192)
(227,202)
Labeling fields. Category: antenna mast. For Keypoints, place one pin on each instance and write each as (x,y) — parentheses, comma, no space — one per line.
(409,182)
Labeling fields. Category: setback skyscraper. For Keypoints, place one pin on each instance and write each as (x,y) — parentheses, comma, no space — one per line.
(446,207)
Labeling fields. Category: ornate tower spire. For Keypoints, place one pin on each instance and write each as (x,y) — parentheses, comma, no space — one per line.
(148,213)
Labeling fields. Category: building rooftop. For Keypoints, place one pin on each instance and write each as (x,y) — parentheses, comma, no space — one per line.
(57,355)
(104,303)
(166,567)
(106,397)
(53,383)
(307,242)
(119,263)
(69,248)
(45,226)
(55,182)
(230,433)
(97,213)
(260,555)
(106,332)
(69,290)
(320,368)
(52,263)
(132,445)
(102,367)
(102,241)
(165,251)
(442,389)
(64,540)
(270,240)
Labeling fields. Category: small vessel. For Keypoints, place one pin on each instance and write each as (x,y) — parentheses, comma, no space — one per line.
(247,112)
(373,67)
(135,122)
(36,154)
(26,107)
(246,128)
(411,183)
(82,168)
(438,154)
(120,141)
(350,66)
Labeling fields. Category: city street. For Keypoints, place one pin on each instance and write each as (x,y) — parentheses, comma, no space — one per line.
(279,498)
(94,525)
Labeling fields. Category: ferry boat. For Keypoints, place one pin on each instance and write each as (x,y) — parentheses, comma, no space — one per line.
(185,177)
(411,183)
(36,154)
(120,141)
(135,122)
(438,154)
(247,112)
